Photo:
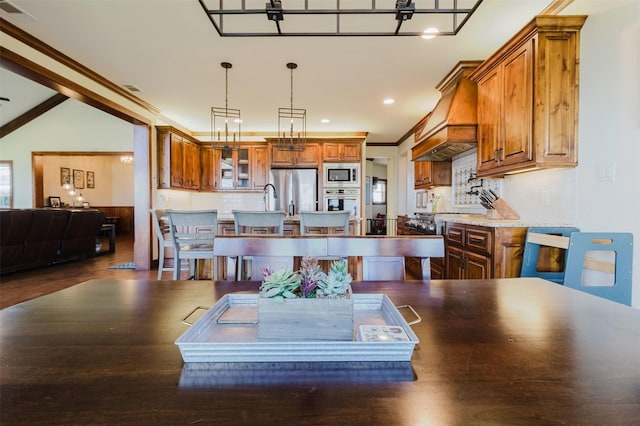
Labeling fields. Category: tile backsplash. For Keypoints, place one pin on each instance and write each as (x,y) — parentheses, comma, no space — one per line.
(465,186)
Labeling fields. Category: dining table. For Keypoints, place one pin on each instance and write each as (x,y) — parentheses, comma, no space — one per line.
(501,351)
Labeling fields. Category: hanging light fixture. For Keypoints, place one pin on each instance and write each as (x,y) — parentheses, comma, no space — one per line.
(225,121)
(292,123)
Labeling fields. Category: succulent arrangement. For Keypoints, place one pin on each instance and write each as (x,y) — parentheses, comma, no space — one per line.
(309,282)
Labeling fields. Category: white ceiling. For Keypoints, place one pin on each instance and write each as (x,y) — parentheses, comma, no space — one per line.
(170,50)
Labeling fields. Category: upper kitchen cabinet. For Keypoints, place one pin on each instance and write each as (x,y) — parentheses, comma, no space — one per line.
(234,169)
(348,152)
(209,162)
(528,99)
(428,174)
(243,169)
(259,167)
(301,159)
(178,159)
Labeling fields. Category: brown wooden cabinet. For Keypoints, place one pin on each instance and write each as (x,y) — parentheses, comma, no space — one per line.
(259,166)
(191,165)
(307,158)
(209,161)
(480,252)
(244,169)
(428,174)
(528,99)
(342,151)
(178,159)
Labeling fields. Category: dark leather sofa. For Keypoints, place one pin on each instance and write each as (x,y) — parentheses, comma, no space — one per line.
(31,238)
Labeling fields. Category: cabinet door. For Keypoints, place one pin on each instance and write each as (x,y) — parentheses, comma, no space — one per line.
(351,152)
(280,158)
(331,152)
(209,159)
(418,167)
(517,107)
(489,90)
(437,268)
(176,161)
(243,169)
(476,266)
(309,157)
(454,263)
(259,167)
(191,165)
(227,169)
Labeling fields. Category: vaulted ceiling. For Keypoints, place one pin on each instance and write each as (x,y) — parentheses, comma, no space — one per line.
(172,53)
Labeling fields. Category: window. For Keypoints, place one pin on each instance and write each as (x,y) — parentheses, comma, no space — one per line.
(6,184)
(379,191)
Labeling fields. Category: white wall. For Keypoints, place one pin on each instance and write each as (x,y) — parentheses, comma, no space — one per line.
(113,180)
(71,126)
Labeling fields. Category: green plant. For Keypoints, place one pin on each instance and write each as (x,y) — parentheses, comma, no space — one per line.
(308,282)
(336,283)
(280,284)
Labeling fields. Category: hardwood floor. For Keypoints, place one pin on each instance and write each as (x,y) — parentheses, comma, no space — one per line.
(22,286)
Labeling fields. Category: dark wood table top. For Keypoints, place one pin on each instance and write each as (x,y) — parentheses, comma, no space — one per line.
(512,351)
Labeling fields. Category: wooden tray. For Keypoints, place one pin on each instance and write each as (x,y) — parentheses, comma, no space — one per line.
(228,332)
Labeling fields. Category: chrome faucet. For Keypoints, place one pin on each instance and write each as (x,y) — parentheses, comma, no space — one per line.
(264,195)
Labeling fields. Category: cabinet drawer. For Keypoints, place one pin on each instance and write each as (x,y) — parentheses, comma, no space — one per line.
(478,240)
(455,234)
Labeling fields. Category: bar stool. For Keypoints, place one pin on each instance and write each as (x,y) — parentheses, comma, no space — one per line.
(320,223)
(247,222)
(161,228)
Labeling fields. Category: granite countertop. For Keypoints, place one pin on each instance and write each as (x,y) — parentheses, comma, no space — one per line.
(482,220)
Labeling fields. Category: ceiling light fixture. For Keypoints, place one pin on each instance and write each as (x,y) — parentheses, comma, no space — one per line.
(430,33)
(453,13)
(225,122)
(294,121)
(325,121)
(388,101)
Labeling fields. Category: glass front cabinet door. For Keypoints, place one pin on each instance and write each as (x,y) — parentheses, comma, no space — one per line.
(234,169)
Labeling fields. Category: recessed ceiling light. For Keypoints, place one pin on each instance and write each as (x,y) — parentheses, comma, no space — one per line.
(388,101)
(325,120)
(430,33)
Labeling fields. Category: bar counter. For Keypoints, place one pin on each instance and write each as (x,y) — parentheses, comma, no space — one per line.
(511,351)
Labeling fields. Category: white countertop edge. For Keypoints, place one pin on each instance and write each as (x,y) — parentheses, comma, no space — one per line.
(481,220)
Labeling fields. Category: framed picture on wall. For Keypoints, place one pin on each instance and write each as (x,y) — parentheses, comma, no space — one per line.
(65,175)
(78,179)
(54,201)
(90,180)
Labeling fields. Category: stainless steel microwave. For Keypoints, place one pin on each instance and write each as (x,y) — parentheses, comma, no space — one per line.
(341,174)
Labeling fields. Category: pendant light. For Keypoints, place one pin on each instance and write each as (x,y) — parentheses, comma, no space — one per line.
(225,121)
(292,123)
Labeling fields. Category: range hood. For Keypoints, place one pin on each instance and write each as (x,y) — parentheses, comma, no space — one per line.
(452,126)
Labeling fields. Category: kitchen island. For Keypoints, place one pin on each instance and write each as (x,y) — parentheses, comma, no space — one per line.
(514,351)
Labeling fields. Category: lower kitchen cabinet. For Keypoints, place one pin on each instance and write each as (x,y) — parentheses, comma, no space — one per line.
(437,268)
(482,252)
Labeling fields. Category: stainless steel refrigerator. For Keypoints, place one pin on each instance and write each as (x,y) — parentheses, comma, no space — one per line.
(297,188)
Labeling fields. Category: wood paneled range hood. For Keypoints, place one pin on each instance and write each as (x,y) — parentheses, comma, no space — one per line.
(452,126)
